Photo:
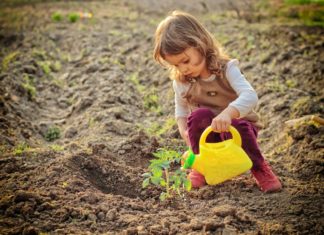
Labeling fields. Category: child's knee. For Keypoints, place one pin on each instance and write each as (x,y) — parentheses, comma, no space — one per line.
(243,126)
(201,118)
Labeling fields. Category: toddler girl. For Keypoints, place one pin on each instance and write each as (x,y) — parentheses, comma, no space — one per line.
(209,90)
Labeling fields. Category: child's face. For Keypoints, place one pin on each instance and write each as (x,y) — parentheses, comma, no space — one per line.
(190,63)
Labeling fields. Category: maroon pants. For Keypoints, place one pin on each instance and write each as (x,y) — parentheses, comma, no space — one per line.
(201,118)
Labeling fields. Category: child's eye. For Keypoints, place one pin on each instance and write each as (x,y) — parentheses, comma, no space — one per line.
(186,61)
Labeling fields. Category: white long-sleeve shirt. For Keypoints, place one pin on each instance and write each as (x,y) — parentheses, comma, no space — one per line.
(247,98)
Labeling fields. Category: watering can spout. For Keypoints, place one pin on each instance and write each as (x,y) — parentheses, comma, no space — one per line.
(193,161)
(189,161)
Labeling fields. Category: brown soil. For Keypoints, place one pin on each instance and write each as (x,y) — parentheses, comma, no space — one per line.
(93,80)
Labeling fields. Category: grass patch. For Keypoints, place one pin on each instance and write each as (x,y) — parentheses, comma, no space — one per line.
(73,17)
(312,17)
(117,62)
(291,83)
(28,85)
(57,17)
(300,103)
(133,78)
(308,12)
(39,54)
(55,66)
(151,103)
(45,66)
(21,148)
(53,133)
(56,148)
(222,38)
(8,59)
(155,129)
(303,2)
(151,99)
(276,85)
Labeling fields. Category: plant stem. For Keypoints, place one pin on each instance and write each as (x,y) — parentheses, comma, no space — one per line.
(167,182)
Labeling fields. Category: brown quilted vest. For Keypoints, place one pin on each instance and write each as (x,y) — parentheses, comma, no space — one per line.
(215,95)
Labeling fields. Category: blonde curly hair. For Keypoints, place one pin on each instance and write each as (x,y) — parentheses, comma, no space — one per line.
(179,31)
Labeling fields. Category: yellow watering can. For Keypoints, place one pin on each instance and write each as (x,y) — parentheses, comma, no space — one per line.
(219,161)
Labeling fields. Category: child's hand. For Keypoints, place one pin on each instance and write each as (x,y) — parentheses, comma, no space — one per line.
(221,122)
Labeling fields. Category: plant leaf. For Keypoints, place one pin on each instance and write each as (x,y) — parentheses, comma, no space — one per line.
(146,182)
(165,164)
(147,174)
(159,164)
(177,182)
(155,180)
(163,196)
(162,183)
(157,172)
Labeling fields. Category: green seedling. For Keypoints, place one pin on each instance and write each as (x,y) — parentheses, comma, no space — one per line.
(151,102)
(133,78)
(301,103)
(21,148)
(74,17)
(291,83)
(8,59)
(173,183)
(28,85)
(39,54)
(56,16)
(156,129)
(53,133)
(56,66)
(45,66)
(57,148)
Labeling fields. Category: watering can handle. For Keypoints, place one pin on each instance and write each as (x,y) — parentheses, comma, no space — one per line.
(235,134)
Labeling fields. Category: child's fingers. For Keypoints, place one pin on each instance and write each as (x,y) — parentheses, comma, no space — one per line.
(216,126)
(226,127)
(223,129)
(220,126)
